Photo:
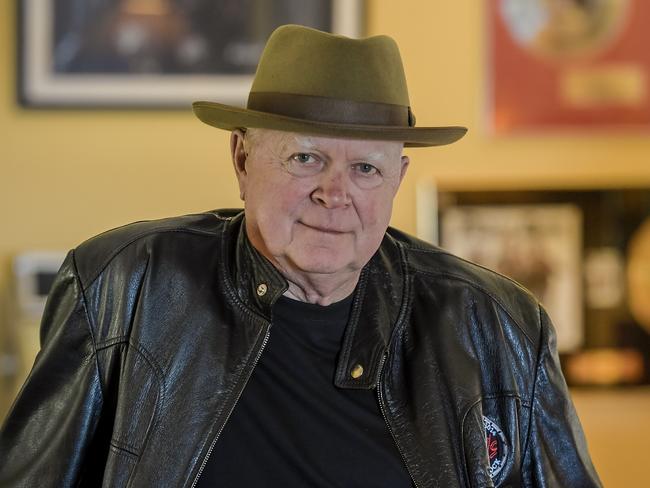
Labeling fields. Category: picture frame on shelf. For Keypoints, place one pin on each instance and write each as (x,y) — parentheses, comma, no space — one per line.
(537,245)
(584,253)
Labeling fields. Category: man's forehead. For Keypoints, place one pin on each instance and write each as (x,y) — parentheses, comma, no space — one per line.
(283,140)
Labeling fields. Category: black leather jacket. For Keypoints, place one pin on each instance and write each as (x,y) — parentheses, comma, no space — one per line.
(152,330)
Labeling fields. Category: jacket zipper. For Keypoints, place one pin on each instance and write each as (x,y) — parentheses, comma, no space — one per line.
(257,358)
(382,407)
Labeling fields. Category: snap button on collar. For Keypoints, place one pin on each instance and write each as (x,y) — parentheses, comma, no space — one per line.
(262,289)
(357,372)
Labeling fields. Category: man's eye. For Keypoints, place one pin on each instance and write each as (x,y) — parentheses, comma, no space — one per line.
(304,164)
(366,169)
(304,158)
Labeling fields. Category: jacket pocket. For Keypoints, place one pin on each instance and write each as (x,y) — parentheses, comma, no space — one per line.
(137,393)
(119,467)
(492,441)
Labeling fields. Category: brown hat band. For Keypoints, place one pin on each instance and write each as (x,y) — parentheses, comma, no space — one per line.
(332,110)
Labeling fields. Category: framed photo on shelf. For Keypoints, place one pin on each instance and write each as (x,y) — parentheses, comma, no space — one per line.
(585,254)
(156,53)
(537,245)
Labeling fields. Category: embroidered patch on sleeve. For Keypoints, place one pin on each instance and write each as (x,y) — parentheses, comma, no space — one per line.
(496,446)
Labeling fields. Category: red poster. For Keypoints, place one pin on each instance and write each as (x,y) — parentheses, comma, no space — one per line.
(569,63)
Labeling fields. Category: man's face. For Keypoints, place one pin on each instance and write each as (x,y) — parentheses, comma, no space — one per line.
(316,205)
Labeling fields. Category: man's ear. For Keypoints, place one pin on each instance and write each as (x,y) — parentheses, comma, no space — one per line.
(405,164)
(238,156)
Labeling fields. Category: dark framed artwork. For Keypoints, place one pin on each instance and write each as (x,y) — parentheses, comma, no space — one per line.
(584,253)
(158,53)
(568,64)
(538,245)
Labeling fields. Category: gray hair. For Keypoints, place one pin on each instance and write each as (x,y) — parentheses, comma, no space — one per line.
(251,136)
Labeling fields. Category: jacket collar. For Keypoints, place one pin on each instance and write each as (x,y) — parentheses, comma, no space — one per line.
(257,282)
(378,304)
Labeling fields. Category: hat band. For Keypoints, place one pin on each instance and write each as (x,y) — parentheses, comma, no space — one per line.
(331,110)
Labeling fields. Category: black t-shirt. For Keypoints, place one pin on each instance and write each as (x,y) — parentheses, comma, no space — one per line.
(292,427)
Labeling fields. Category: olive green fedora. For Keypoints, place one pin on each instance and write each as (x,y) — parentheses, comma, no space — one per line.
(314,82)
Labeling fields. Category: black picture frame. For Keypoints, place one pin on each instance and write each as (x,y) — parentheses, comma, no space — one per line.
(155,53)
(614,345)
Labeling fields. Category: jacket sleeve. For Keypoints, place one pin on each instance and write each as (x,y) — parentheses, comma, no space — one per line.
(45,439)
(557,453)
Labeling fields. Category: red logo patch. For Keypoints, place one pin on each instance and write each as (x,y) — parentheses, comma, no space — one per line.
(497,448)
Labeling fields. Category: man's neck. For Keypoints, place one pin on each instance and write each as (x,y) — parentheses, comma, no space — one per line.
(320,289)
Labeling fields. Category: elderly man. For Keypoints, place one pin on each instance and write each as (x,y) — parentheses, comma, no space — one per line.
(300,342)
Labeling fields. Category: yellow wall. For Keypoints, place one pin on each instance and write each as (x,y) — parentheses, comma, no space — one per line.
(444,50)
(66,175)
(617,427)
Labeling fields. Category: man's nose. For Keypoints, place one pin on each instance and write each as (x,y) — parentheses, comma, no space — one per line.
(332,190)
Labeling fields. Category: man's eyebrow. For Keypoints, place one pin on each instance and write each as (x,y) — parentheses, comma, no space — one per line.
(304,141)
(291,142)
(375,156)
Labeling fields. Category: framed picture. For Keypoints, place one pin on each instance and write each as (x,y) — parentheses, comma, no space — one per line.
(585,254)
(156,53)
(537,245)
(568,64)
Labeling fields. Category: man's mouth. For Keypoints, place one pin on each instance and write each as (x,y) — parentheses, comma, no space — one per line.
(324,229)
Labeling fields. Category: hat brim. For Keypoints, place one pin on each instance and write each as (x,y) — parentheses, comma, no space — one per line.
(228,117)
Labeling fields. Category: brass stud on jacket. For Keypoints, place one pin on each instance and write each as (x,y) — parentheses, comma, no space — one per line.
(262,289)
(357,372)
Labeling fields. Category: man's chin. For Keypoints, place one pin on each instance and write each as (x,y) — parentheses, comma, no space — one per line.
(322,268)
(323,262)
